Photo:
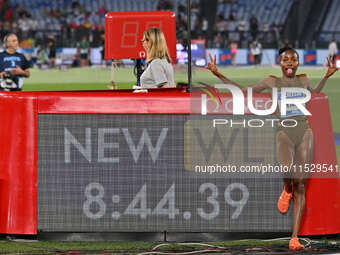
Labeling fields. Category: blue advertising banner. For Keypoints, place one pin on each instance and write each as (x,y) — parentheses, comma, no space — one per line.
(225,57)
(250,58)
(310,57)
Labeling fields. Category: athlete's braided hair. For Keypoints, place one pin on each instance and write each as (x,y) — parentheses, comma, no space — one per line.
(287,48)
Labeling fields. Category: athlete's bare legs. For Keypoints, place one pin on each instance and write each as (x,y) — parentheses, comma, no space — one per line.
(287,156)
(303,156)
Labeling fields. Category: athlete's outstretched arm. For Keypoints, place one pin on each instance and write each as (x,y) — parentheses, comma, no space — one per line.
(257,88)
(330,71)
(213,68)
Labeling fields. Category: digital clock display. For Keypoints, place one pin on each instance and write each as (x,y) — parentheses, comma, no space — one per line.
(124,31)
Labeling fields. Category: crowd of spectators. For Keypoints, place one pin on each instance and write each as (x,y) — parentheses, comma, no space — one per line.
(68,24)
(16,19)
(71,22)
(228,29)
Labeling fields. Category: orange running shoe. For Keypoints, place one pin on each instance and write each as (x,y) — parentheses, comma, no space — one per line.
(284,201)
(294,244)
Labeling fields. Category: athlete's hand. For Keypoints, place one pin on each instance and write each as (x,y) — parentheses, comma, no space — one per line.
(331,68)
(212,64)
(2,75)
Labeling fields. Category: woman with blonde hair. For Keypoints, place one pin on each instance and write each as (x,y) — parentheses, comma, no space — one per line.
(159,73)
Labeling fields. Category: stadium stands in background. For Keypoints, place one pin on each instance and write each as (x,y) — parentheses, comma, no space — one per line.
(331,25)
(242,21)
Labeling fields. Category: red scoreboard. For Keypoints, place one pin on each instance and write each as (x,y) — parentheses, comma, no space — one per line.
(124,31)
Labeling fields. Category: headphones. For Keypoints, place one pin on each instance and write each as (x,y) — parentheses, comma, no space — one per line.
(6,38)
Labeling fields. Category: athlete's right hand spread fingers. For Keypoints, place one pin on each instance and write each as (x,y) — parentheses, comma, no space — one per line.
(331,67)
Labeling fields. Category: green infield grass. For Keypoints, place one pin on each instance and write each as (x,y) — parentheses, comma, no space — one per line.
(128,248)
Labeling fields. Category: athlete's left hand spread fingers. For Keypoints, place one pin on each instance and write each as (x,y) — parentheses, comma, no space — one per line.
(330,62)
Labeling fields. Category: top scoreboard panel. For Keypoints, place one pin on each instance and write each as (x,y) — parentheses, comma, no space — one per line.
(124,31)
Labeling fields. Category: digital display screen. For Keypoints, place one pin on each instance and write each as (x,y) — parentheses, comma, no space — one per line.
(124,32)
(197,53)
(126,173)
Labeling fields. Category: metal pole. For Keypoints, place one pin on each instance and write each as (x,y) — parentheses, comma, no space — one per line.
(189,45)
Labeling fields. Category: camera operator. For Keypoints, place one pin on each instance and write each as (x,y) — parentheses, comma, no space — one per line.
(13,65)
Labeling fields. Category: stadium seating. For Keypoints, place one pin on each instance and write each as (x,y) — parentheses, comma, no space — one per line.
(331,26)
(266,11)
(332,21)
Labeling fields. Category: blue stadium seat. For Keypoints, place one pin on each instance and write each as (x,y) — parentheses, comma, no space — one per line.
(268,11)
(333,18)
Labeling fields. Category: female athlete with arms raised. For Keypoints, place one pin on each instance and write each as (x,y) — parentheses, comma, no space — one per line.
(294,145)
